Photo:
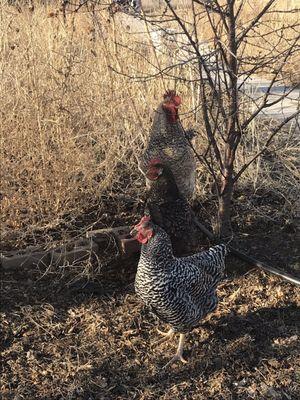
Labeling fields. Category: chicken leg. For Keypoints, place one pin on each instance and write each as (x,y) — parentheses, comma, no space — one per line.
(178,356)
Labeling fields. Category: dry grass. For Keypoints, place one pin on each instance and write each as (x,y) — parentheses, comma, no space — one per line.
(71,128)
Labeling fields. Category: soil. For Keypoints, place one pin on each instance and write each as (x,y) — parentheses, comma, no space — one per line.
(62,339)
(61,344)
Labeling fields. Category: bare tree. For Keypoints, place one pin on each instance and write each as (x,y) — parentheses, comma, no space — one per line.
(223,78)
(221,69)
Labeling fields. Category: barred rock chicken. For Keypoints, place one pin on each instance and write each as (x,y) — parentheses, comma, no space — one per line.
(170,210)
(180,291)
(168,143)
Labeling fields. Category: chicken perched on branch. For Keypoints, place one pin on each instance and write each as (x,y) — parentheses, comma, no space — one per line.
(169,209)
(180,291)
(168,143)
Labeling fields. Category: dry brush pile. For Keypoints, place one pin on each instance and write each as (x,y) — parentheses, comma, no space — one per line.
(72,128)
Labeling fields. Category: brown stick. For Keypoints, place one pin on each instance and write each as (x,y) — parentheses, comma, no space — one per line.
(242,256)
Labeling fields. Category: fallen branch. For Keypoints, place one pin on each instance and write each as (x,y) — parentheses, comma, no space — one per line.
(242,256)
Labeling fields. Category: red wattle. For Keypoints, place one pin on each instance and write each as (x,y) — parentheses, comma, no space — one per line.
(141,238)
(152,174)
(171,111)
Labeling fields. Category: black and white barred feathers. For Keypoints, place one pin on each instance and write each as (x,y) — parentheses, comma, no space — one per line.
(180,291)
(168,143)
(170,210)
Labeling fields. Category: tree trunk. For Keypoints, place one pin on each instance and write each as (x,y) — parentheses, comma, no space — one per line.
(233,134)
(225,198)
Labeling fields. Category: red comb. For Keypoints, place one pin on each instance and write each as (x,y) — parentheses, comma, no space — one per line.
(171,96)
(169,93)
(144,219)
(154,161)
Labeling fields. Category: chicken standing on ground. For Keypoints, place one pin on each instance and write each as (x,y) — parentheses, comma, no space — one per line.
(168,143)
(180,291)
(170,210)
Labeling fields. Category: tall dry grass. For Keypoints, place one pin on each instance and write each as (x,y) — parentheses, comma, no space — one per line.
(72,128)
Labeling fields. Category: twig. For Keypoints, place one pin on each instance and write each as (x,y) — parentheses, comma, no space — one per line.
(274,132)
(242,256)
(255,21)
(211,8)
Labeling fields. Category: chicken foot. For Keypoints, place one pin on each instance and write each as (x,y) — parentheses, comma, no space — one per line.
(166,336)
(178,356)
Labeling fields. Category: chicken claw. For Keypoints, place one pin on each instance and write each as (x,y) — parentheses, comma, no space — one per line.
(178,356)
(166,336)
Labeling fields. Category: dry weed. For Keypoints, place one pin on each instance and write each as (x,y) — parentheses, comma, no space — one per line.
(72,128)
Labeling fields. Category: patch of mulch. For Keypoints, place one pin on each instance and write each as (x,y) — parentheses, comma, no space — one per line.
(58,344)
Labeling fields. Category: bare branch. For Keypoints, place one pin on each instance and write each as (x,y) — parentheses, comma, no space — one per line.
(201,59)
(210,7)
(265,103)
(271,137)
(255,21)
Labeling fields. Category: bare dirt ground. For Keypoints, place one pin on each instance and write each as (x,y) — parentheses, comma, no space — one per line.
(60,343)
